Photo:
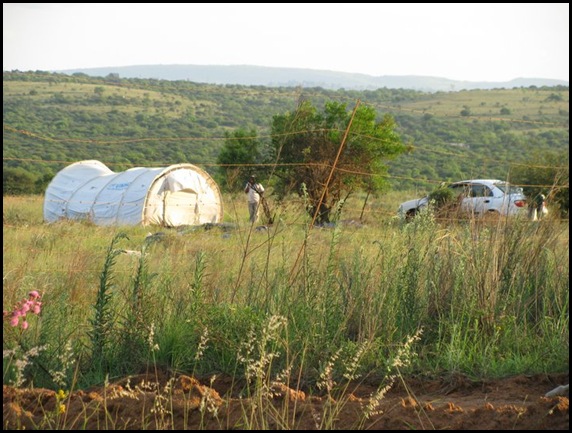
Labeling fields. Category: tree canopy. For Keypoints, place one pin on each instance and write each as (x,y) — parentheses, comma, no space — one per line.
(308,143)
(549,174)
(240,151)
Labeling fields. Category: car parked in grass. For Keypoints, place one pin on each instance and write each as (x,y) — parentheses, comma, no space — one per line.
(476,197)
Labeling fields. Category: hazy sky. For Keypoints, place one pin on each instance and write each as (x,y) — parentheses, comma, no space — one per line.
(474,42)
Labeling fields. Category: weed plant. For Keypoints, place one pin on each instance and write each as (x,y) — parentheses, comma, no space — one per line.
(284,307)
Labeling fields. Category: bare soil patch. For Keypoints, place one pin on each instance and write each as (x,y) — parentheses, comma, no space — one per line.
(160,401)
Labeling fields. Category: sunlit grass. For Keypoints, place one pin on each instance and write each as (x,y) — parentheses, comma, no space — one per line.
(309,307)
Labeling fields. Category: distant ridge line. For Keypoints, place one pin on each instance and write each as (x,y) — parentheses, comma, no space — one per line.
(248,75)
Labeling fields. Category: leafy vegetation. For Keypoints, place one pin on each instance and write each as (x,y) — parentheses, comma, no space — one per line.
(51,120)
(483,299)
(241,152)
(312,143)
(547,174)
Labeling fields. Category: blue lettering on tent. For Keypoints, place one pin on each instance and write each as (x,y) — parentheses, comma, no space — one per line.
(117,186)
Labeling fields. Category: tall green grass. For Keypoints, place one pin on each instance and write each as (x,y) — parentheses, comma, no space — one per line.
(313,307)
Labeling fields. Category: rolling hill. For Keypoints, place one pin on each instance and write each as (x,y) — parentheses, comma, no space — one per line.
(51,120)
(248,75)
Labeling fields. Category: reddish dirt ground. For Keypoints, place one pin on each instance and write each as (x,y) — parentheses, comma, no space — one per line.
(516,403)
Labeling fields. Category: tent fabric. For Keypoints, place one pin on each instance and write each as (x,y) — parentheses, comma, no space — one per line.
(181,194)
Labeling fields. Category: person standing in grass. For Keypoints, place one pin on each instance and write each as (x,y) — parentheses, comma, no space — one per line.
(539,205)
(254,190)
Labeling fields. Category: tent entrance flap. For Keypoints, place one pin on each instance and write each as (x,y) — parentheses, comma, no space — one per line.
(181,208)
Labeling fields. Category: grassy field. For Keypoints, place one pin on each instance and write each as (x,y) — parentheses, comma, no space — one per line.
(486,298)
(369,299)
(523,105)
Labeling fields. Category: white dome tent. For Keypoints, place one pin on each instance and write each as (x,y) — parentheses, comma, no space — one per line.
(180,194)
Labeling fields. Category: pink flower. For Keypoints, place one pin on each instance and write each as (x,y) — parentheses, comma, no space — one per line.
(22,308)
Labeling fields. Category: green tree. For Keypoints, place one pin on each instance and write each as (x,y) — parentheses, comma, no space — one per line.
(554,97)
(42,182)
(241,150)
(546,173)
(466,111)
(17,181)
(307,144)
